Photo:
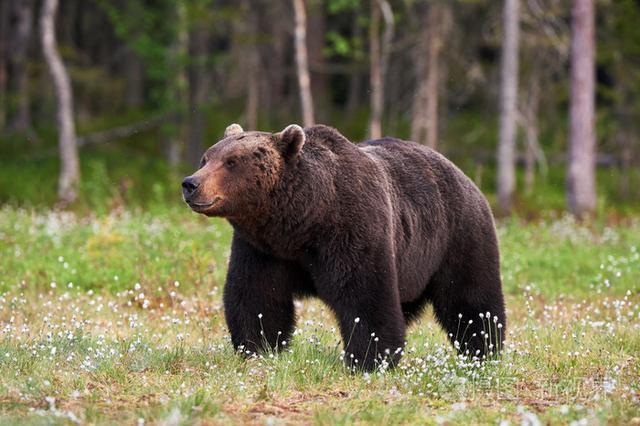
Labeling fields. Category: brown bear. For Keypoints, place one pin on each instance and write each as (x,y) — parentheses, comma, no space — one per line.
(375,230)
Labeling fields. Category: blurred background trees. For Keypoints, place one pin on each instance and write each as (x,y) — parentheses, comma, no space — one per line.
(545,117)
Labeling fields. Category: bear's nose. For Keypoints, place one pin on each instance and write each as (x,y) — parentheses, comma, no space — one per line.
(189,185)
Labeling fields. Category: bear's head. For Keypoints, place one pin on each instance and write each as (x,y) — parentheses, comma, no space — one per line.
(237,174)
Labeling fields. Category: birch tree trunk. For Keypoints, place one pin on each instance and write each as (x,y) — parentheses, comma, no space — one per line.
(508,106)
(424,124)
(581,185)
(302,62)
(375,75)
(379,56)
(70,165)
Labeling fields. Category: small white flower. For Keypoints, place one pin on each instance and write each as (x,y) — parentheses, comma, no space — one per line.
(357,320)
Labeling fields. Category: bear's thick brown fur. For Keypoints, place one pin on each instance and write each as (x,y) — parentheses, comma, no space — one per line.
(375,230)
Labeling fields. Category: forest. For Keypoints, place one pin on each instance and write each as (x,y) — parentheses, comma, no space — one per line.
(111,288)
(157,83)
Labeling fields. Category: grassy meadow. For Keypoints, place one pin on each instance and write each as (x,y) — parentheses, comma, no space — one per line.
(117,319)
(111,312)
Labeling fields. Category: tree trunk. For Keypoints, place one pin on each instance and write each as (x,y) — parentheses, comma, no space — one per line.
(21,14)
(355,79)
(134,79)
(251,61)
(198,91)
(177,84)
(70,165)
(508,106)
(435,45)
(375,75)
(424,125)
(379,56)
(273,55)
(625,142)
(253,90)
(4,46)
(302,63)
(531,131)
(581,185)
(316,35)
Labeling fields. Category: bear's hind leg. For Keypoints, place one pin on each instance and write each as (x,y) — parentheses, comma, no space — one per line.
(471,310)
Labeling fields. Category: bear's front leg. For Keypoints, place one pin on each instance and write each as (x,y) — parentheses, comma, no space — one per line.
(363,294)
(258,299)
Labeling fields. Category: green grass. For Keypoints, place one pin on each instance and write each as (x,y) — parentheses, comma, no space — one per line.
(110,252)
(152,343)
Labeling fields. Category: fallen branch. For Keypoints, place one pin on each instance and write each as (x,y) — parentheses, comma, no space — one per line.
(110,135)
(120,132)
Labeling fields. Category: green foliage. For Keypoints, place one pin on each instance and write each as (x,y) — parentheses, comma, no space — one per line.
(338,44)
(149,32)
(337,6)
(344,45)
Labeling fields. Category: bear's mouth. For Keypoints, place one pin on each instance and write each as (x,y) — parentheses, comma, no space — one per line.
(202,206)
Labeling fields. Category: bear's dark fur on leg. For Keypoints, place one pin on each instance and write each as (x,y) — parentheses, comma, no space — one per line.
(376,230)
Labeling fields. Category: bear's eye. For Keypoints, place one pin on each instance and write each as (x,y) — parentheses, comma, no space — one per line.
(203,162)
(230,163)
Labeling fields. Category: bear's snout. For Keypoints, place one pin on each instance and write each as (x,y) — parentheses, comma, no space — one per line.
(189,185)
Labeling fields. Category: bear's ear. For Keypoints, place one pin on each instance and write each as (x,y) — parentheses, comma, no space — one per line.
(290,141)
(233,129)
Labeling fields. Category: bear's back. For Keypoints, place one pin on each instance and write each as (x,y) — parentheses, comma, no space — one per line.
(432,197)
(420,167)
